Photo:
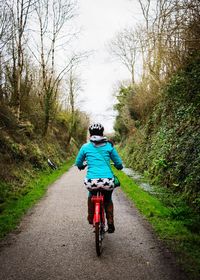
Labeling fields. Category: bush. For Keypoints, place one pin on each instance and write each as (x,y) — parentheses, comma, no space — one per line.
(168,145)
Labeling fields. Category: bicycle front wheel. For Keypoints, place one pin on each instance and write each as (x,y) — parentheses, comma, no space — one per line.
(98,239)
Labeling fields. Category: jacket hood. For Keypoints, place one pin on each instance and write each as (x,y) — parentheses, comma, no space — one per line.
(98,140)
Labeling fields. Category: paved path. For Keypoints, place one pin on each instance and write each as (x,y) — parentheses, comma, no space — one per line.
(55,242)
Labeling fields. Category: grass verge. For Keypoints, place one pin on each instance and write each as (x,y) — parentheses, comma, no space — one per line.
(174,224)
(15,208)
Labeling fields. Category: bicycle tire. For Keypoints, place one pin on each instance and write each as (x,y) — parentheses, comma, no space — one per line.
(98,240)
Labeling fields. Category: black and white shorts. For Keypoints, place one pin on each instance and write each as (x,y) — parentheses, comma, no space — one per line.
(103,183)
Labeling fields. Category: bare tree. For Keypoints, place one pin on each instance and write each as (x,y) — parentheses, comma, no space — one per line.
(150,37)
(52,18)
(124,47)
(20,11)
(5,18)
(73,83)
(145,7)
(5,36)
(170,34)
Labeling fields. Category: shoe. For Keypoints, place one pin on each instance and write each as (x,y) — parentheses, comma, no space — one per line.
(90,221)
(111,228)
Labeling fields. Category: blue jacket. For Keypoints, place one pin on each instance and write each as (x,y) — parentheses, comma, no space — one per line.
(98,160)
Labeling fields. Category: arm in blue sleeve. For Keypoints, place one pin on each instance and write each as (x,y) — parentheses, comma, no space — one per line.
(116,159)
(80,158)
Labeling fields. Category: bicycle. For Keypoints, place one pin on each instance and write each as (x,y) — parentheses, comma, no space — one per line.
(99,220)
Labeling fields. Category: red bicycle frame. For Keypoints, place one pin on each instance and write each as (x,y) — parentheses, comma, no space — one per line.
(98,201)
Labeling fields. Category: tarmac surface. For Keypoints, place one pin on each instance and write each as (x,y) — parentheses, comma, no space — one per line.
(55,242)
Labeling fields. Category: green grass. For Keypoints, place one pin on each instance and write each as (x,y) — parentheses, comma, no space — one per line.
(16,207)
(173,222)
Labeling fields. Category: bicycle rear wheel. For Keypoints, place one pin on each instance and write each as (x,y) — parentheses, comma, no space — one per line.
(98,238)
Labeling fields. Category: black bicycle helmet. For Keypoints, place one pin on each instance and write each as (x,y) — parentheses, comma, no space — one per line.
(96,129)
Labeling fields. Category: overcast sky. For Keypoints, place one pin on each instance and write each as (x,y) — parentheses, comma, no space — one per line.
(100,20)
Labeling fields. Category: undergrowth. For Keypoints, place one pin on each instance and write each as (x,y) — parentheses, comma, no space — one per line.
(167,145)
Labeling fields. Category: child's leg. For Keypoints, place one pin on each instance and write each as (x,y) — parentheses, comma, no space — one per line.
(109,207)
(90,207)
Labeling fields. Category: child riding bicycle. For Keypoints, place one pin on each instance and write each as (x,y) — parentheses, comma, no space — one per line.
(98,152)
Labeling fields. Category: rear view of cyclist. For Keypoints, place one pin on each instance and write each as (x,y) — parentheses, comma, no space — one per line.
(98,152)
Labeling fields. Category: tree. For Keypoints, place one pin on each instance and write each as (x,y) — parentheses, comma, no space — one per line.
(52,18)
(124,47)
(20,10)
(73,83)
(168,36)
(5,34)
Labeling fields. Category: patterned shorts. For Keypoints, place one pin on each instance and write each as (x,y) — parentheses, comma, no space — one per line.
(103,183)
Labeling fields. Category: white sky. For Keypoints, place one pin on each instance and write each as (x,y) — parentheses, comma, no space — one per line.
(100,20)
